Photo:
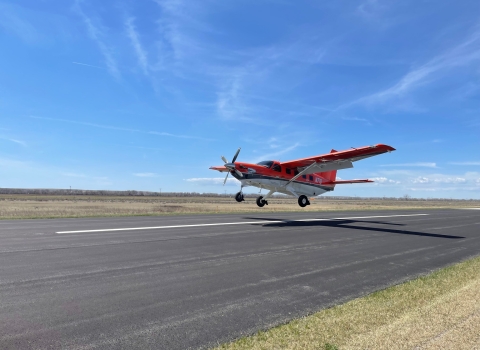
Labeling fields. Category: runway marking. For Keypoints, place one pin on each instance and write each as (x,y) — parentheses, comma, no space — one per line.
(235,223)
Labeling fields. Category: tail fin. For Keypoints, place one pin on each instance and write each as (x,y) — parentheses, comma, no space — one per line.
(331,175)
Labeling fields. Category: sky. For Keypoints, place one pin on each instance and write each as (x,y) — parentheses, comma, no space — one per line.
(148,94)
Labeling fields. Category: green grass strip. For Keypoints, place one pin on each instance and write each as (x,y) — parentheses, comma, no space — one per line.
(334,328)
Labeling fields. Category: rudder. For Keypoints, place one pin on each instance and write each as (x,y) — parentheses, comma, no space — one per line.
(331,175)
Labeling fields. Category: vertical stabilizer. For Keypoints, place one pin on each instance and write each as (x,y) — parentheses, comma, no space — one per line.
(330,176)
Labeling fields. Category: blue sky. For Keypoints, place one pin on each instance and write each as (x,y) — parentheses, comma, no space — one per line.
(148,94)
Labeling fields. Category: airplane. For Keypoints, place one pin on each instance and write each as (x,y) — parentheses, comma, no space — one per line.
(301,178)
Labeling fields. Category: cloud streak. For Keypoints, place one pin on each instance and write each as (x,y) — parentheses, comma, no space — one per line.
(137,46)
(465,163)
(276,154)
(463,54)
(111,127)
(11,22)
(97,34)
(145,174)
(206,181)
(87,65)
(19,142)
(418,164)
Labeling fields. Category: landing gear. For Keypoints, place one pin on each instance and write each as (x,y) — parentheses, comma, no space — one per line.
(239,197)
(303,201)
(261,202)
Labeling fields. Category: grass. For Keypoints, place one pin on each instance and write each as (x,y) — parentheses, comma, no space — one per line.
(438,311)
(57,206)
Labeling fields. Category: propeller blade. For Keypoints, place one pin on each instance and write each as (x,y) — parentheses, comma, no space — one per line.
(225,181)
(238,173)
(236,155)
(224,159)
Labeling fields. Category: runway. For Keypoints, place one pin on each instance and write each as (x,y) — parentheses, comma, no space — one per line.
(177,282)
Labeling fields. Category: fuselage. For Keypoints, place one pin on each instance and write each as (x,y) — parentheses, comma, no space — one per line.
(272,176)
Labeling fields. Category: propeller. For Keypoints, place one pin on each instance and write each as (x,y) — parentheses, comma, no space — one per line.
(231,166)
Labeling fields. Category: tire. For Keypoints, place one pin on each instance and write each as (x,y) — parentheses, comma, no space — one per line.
(260,201)
(303,201)
(239,197)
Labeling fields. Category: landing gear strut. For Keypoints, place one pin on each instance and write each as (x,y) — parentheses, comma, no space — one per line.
(303,201)
(239,197)
(261,202)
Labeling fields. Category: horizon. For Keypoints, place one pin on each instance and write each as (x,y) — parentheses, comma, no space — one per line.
(147,96)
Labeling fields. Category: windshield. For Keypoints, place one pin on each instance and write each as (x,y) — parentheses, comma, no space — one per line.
(266,163)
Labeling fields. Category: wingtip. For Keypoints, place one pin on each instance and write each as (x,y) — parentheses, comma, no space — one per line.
(386,147)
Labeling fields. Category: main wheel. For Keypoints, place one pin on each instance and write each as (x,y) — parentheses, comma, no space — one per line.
(239,197)
(303,201)
(260,201)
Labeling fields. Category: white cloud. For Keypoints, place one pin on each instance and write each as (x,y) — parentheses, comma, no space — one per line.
(178,136)
(12,163)
(356,119)
(465,163)
(418,164)
(74,175)
(440,179)
(231,181)
(83,176)
(384,180)
(372,9)
(421,180)
(450,180)
(145,174)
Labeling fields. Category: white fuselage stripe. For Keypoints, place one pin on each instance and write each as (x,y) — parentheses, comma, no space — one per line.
(234,223)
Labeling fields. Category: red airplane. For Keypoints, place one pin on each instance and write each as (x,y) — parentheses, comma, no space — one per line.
(302,178)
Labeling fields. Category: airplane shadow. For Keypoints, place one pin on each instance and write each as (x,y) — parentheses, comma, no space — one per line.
(342,223)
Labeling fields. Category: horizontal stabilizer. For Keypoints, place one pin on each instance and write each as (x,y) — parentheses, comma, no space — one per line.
(342,182)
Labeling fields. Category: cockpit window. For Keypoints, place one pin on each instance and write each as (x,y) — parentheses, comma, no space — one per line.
(277,167)
(266,163)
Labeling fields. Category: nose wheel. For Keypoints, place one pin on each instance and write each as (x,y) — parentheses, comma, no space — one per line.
(239,197)
(303,201)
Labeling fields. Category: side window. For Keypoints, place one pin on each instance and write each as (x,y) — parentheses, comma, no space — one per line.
(295,172)
(311,178)
(288,171)
(277,167)
(304,176)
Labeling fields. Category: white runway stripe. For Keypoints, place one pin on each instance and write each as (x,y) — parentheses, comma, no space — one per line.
(234,223)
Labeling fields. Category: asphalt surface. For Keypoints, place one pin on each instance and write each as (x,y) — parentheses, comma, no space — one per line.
(189,286)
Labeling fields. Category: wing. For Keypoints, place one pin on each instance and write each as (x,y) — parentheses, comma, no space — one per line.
(220,168)
(337,160)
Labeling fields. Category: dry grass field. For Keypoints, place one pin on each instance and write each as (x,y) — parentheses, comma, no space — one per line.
(50,206)
(17,206)
(438,311)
